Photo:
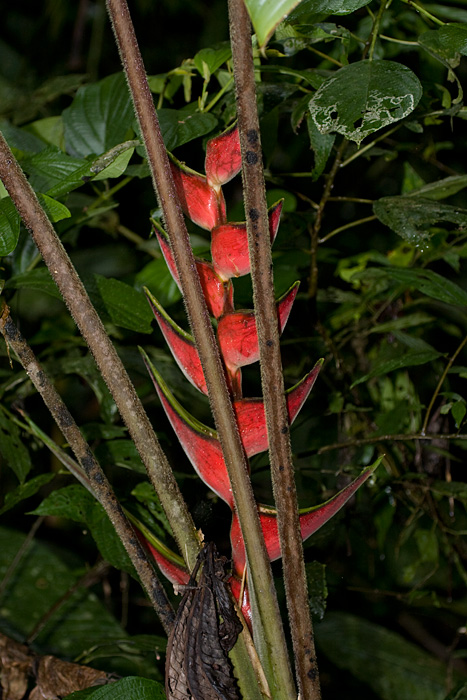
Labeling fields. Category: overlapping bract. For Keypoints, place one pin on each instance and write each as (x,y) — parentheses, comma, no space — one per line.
(203,202)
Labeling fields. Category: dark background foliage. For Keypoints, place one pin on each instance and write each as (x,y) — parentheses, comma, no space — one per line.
(395,556)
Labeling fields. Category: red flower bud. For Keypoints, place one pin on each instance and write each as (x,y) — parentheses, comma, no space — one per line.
(229,245)
(238,337)
(223,157)
(201,202)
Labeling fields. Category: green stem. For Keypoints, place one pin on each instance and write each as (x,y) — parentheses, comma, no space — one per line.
(105,355)
(352,224)
(280,454)
(375,30)
(402,437)
(100,486)
(423,12)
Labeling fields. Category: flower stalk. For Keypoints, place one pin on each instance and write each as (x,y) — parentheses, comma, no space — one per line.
(280,453)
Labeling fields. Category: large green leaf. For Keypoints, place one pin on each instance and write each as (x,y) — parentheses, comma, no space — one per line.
(100,117)
(115,301)
(179,126)
(448,41)
(267,14)
(364,97)
(129,688)
(40,580)
(23,491)
(77,504)
(411,216)
(394,668)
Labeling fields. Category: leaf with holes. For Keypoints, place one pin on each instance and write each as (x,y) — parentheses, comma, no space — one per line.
(364,97)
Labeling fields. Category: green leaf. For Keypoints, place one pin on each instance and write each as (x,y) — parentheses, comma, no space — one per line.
(419,353)
(266,16)
(26,490)
(10,223)
(100,116)
(49,168)
(317,10)
(38,280)
(399,670)
(13,449)
(56,211)
(42,578)
(411,216)
(129,688)
(448,41)
(125,306)
(321,145)
(157,278)
(430,283)
(212,58)
(441,188)
(178,126)
(76,503)
(363,97)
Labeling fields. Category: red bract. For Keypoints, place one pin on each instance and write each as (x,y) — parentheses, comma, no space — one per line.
(238,337)
(229,245)
(181,344)
(311,520)
(200,201)
(251,418)
(200,443)
(223,157)
(217,292)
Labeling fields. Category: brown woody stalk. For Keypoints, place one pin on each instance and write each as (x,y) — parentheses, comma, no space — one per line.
(270,359)
(200,322)
(105,355)
(95,478)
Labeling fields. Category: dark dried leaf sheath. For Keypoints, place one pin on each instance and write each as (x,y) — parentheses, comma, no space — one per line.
(206,628)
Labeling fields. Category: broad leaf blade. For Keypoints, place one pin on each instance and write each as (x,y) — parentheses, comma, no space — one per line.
(99,117)
(399,670)
(364,97)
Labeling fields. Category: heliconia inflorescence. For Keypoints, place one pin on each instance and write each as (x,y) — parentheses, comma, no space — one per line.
(202,200)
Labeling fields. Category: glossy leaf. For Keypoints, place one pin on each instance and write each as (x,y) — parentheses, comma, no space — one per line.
(179,127)
(229,245)
(223,157)
(10,223)
(311,520)
(99,117)
(203,204)
(363,97)
(266,16)
(237,334)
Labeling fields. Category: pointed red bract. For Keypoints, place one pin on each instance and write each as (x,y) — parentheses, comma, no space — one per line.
(310,521)
(175,573)
(181,344)
(217,292)
(199,442)
(236,587)
(251,418)
(229,245)
(238,337)
(223,157)
(201,202)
